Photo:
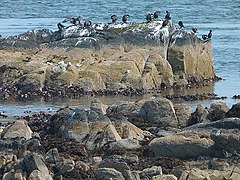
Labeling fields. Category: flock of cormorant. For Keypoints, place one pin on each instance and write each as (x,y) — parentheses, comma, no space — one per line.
(114,18)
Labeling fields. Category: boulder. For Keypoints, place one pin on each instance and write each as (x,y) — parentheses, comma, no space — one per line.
(166,177)
(124,146)
(39,175)
(189,57)
(196,173)
(180,146)
(225,133)
(183,113)
(234,111)
(159,112)
(198,116)
(119,164)
(98,106)
(109,174)
(151,172)
(19,129)
(85,126)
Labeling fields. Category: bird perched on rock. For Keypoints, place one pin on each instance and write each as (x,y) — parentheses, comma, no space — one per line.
(114,18)
(168,15)
(149,18)
(156,14)
(87,24)
(194,30)
(209,36)
(125,18)
(180,23)
(74,21)
(165,23)
(60,27)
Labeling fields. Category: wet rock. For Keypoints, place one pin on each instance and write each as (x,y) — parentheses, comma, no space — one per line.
(118,164)
(234,111)
(151,172)
(33,162)
(52,156)
(109,173)
(39,175)
(183,113)
(198,116)
(217,111)
(181,147)
(124,110)
(219,105)
(124,146)
(159,112)
(225,133)
(167,177)
(128,130)
(98,106)
(210,174)
(67,166)
(19,129)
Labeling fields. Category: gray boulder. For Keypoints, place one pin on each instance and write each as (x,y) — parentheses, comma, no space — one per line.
(19,129)
(159,112)
(181,147)
(183,113)
(109,174)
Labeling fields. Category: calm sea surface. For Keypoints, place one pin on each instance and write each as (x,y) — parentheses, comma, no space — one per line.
(222,16)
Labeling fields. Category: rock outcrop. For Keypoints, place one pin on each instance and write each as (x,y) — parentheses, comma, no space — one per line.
(137,56)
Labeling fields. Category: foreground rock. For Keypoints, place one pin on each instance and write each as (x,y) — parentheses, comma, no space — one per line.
(19,129)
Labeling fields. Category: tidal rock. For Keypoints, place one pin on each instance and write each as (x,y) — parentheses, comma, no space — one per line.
(98,106)
(39,175)
(124,146)
(151,172)
(183,113)
(119,164)
(33,162)
(159,112)
(234,111)
(198,116)
(225,133)
(167,177)
(52,156)
(19,129)
(196,173)
(109,173)
(181,147)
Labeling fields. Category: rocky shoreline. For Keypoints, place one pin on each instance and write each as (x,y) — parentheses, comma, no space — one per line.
(148,139)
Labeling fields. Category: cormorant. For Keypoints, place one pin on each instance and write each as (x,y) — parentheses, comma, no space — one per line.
(194,30)
(125,18)
(60,26)
(210,34)
(87,23)
(114,18)
(180,23)
(156,14)
(165,23)
(149,18)
(168,15)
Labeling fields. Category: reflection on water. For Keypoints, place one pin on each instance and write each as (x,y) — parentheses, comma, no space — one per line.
(17,108)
